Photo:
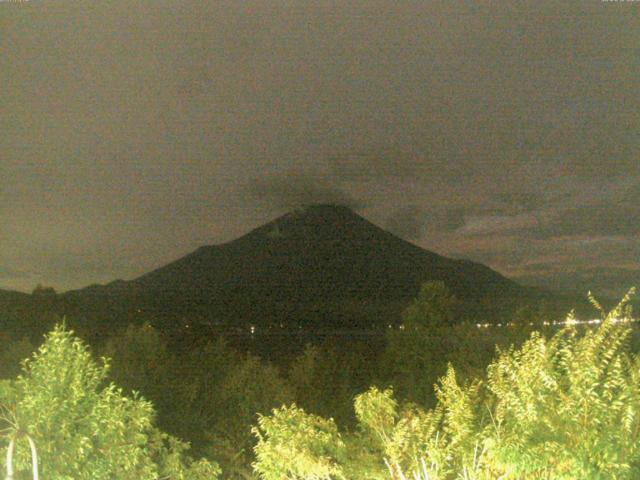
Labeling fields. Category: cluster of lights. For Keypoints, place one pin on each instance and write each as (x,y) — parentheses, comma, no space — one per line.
(568,321)
(546,323)
(487,325)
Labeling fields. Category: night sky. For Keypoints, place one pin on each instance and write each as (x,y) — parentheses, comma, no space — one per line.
(133,132)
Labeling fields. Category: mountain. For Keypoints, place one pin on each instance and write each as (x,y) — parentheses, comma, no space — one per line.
(12,296)
(25,315)
(322,251)
(321,266)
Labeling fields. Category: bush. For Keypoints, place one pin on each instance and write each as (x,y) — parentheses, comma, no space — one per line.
(294,445)
(567,407)
(84,429)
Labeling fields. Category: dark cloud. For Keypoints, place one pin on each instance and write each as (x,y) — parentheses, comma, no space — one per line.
(613,283)
(382,164)
(448,219)
(596,220)
(293,190)
(514,203)
(506,252)
(411,222)
(524,257)
(631,195)
(134,130)
(407,222)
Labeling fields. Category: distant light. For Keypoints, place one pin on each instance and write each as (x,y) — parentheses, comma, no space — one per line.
(253,329)
(572,321)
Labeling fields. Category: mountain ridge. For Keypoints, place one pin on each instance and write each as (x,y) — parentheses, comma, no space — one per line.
(315,266)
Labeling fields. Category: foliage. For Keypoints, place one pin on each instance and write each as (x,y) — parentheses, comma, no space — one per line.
(400,437)
(210,394)
(569,406)
(417,355)
(12,355)
(249,388)
(295,445)
(563,408)
(559,406)
(344,372)
(43,291)
(84,429)
(566,407)
(433,307)
(140,361)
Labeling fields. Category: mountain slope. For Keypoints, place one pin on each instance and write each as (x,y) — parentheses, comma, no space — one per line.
(319,266)
(322,251)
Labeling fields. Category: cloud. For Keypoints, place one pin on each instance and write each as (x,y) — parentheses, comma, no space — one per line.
(411,222)
(289,191)
(518,256)
(377,163)
(514,202)
(601,281)
(407,222)
(491,224)
(8,273)
(138,131)
(596,220)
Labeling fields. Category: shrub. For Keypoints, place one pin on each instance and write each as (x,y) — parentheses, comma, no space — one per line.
(295,445)
(84,429)
(562,408)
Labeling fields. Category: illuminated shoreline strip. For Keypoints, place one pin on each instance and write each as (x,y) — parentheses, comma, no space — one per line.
(546,323)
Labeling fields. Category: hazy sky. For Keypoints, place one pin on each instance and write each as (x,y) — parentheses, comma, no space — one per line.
(133,132)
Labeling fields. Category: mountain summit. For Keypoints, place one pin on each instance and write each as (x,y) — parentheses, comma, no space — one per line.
(317,266)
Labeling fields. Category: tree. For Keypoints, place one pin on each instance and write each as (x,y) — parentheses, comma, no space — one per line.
(417,354)
(141,361)
(569,405)
(12,354)
(561,408)
(210,395)
(344,372)
(84,428)
(295,445)
(250,388)
(43,292)
(432,308)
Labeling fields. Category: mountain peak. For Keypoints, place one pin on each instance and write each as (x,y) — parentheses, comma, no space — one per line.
(316,222)
(326,207)
(329,210)
(320,264)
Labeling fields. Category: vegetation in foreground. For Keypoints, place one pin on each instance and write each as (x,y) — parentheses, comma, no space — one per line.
(557,406)
(567,407)
(84,427)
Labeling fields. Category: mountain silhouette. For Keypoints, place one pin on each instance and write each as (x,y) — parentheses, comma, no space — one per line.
(320,266)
